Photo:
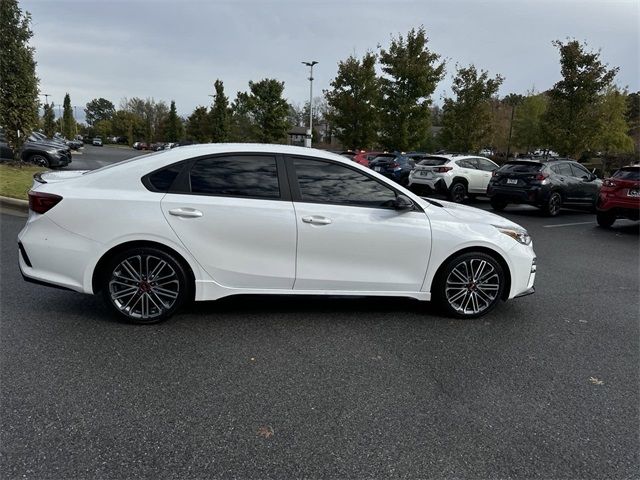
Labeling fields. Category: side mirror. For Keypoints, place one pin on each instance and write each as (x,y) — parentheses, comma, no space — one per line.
(403,203)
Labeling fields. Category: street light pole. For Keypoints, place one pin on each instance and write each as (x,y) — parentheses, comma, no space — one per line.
(46,97)
(309,138)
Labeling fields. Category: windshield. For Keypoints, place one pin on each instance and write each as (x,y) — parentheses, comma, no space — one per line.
(629,173)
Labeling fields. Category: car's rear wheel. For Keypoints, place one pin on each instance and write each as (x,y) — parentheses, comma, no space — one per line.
(145,285)
(605,219)
(39,160)
(458,192)
(553,205)
(498,205)
(469,285)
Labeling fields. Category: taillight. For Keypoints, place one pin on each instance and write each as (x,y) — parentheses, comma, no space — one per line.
(494,173)
(442,169)
(395,165)
(41,202)
(541,176)
(608,182)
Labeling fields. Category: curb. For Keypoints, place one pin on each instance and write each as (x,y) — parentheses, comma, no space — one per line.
(14,203)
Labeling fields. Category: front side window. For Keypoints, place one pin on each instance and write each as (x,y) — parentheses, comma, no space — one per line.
(236,176)
(579,171)
(326,182)
(486,165)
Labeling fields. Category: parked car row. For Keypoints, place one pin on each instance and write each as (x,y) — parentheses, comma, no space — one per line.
(39,150)
(155,147)
(549,183)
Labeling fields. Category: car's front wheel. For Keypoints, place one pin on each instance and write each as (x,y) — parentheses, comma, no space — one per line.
(497,204)
(145,285)
(39,160)
(469,285)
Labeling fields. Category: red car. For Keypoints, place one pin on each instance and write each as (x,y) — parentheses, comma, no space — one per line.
(363,157)
(619,196)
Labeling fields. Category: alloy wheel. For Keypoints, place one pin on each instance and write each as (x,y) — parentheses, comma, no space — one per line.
(472,286)
(144,287)
(554,204)
(39,160)
(458,192)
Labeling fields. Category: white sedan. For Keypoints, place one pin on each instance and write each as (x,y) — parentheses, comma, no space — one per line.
(207,221)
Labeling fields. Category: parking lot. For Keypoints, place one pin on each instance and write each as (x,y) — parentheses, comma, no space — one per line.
(545,386)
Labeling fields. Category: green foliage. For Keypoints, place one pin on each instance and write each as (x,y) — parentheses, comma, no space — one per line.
(102,128)
(612,136)
(353,102)
(99,109)
(411,74)
(267,110)
(571,119)
(198,126)
(528,132)
(152,114)
(127,124)
(68,122)
(49,120)
(18,81)
(173,125)
(467,118)
(220,115)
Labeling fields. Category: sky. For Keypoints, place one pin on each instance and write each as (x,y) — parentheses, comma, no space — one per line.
(175,50)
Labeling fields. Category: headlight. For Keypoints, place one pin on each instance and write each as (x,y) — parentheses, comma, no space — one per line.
(520,236)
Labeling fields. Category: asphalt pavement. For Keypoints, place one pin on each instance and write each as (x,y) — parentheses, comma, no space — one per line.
(91,158)
(545,386)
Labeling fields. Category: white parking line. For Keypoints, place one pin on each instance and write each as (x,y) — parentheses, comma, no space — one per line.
(567,224)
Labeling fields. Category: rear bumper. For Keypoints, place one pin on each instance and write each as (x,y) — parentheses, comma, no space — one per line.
(534,195)
(437,185)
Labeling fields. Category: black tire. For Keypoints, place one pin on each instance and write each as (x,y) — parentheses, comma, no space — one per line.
(553,205)
(458,297)
(39,160)
(605,219)
(131,292)
(457,192)
(498,205)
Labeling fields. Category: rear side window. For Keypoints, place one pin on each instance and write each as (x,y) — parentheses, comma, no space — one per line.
(162,180)
(468,163)
(628,174)
(236,176)
(326,182)
(521,167)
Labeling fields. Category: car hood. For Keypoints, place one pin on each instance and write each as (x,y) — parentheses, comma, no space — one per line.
(471,214)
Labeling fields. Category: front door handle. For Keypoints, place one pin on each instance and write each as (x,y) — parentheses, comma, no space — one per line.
(186,212)
(316,220)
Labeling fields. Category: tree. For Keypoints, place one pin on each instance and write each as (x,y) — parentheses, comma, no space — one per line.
(152,113)
(613,132)
(49,120)
(571,119)
(220,121)
(267,110)
(127,124)
(173,125)
(18,81)
(99,109)
(633,119)
(353,102)
(528,130)
(411,74)
(242,128)
(68,122)
(198,127)
(466,119)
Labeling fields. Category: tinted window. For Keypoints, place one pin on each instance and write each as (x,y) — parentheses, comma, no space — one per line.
(325,182)
(162,179)
(468,163)
(238,176)
(628,174)
(433,161)
(579,171)
(562,169)
(384,158)
(486,165)
(521,167)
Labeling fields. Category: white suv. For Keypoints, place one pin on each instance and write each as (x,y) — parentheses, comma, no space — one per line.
(456,176)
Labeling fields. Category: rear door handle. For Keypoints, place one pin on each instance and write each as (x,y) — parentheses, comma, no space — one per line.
(316,220)
(186,212)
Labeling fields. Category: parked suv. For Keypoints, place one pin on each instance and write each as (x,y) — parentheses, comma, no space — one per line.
(394,166)
(41,153)
(619,196)
(549,185)
(456,176)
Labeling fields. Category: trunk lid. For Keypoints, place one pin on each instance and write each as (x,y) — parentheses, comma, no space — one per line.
(55,176)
